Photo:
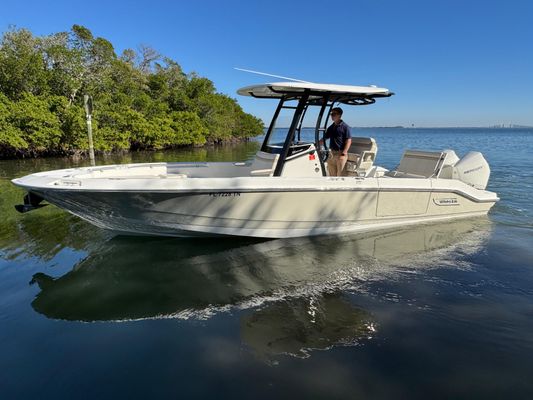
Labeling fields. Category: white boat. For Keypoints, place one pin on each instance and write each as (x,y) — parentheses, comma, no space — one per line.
(284,191)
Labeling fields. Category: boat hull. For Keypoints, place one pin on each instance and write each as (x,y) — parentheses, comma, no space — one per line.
(261,213)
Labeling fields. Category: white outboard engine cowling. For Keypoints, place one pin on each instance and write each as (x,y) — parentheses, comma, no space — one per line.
(450,160)
(473,170)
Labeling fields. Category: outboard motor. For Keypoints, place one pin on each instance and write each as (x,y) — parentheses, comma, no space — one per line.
(473,170)
(447,166)
(31,202)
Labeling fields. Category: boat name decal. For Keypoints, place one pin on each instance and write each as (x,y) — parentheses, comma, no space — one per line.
(224,194)
(451,201)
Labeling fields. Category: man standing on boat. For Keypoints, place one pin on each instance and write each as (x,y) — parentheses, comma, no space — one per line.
(340,140)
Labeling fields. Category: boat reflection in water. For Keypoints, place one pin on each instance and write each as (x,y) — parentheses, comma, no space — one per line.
(292,286)
(297,326)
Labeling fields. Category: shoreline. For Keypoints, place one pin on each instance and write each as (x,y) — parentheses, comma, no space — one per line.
(82,154)
(10,154)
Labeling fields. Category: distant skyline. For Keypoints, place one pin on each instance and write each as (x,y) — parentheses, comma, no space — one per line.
(453,63)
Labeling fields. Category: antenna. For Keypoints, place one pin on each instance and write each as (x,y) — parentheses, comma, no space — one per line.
(272,75)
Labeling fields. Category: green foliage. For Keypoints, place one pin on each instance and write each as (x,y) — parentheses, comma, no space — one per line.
(142,100)
(22,67)
(188,128)
(29,124)
(11,137)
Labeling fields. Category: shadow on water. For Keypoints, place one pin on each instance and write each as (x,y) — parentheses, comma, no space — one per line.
(292,286)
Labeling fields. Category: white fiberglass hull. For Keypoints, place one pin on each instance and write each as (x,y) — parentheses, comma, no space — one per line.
(274,207)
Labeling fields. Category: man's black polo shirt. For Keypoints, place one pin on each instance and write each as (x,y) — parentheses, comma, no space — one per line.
(337,135)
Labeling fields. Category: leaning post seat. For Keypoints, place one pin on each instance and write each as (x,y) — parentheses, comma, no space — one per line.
(361,155)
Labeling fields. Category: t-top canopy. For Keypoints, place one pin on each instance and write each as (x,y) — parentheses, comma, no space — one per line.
(280,89)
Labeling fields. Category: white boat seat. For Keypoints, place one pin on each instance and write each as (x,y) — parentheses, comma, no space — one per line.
(419,164)
(264,164)
(361,155)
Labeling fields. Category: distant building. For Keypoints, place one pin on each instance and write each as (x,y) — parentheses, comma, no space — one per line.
(510,126)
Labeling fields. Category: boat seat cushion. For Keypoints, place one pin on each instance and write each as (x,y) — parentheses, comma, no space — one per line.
(419,163)
(264,164)
(361,154)
(360,144)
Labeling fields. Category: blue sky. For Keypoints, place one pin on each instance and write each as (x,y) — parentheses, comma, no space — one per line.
(450,63)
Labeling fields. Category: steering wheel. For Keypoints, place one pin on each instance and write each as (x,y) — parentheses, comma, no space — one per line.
(324,153)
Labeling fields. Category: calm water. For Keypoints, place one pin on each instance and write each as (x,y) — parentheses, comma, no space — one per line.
(435,311)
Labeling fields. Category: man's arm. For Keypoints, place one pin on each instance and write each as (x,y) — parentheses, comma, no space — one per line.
(348,141)
(347,145)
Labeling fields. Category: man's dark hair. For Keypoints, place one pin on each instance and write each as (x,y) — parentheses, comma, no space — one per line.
(338,110)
